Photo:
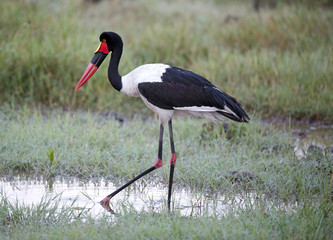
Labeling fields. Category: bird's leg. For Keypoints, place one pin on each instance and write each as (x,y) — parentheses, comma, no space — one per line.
(158,162)
(106,201)
(172,162)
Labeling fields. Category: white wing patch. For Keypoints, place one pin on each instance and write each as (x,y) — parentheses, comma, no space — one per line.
(198,109)
(205,109)
(204,112)
(228,110)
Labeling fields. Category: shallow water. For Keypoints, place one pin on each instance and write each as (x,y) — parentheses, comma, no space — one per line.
(306,134)
(140,196)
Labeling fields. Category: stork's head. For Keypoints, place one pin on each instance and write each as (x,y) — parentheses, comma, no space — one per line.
(109,41)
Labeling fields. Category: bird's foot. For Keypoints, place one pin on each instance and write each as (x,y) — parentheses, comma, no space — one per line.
(106,204)
(173,159)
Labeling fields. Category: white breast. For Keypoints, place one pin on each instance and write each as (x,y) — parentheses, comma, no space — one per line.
(144,73)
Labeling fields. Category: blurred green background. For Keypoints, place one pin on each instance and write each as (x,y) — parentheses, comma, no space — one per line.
(275,57)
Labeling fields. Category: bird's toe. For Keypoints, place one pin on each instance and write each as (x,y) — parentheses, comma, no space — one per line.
(106,204)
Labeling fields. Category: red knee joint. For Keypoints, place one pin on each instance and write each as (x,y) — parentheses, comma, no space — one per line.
(158,163)
(173,159)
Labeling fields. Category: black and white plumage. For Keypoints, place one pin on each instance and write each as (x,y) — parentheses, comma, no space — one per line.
(166,90)
(181,92)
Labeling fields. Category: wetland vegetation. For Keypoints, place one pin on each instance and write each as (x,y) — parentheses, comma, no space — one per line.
(277,62)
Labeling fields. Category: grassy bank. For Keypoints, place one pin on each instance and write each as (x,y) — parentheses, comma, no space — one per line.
(91,145)
(43,222)
(94,145)
(276,61)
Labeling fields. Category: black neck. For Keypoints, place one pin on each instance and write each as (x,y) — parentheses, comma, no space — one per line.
(113,74)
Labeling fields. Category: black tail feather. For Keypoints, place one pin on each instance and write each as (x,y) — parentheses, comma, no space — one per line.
(223,100)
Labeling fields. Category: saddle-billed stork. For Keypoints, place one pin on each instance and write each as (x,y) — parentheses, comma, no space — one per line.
(166,90)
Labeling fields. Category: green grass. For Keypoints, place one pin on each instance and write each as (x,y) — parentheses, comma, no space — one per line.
(276,62)
(88,146)
(46,220)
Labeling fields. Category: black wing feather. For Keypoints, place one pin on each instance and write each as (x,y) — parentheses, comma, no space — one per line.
(182,88)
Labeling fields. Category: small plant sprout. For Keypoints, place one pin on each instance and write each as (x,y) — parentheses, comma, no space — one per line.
(50,154)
